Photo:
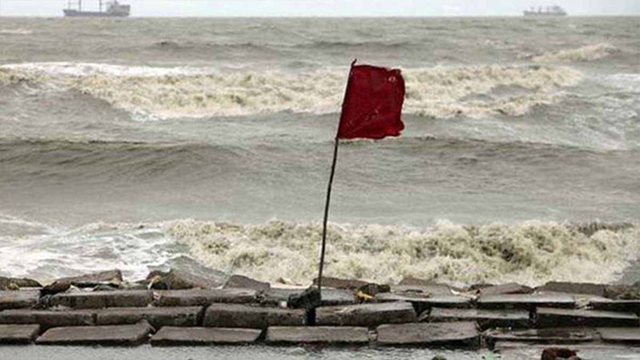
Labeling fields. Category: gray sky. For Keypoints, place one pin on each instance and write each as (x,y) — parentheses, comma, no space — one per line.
(328,7)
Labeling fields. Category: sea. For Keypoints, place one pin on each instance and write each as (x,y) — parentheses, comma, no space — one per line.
(138,143)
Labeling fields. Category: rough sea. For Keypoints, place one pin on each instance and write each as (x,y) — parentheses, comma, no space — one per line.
(137,142)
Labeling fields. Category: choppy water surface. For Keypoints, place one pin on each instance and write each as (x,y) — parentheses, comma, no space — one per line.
(125,143)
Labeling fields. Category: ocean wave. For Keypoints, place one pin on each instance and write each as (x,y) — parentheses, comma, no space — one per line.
(440,92)
(582,54)
(15,32)
(532,252)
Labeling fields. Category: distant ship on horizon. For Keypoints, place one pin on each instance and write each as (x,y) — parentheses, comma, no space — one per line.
(554,10)
(114,9)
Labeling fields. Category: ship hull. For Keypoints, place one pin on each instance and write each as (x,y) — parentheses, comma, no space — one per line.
(543,14)
(76,13)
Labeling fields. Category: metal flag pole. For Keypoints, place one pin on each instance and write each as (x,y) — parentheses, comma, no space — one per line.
(326,205)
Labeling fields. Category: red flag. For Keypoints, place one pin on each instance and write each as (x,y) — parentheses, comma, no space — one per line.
(372,103)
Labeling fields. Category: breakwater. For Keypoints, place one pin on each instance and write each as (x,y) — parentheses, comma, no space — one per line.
(180,308)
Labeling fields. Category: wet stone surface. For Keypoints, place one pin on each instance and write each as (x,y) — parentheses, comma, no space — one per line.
(318,334)
(18,334)
(252,317)
(18,299)
(548,317)
(205,297)
(455,333)
(103,299)
(485,318)
(102,335)
(203,336)
(367,315)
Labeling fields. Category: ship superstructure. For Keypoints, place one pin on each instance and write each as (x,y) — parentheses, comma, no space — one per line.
(113,9)
(554,10)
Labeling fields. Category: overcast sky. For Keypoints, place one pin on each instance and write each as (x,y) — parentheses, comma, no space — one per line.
(328,7)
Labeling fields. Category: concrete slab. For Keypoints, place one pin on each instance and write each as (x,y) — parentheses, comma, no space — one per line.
(368,315)
(103,299)
(503,289)
(456,333)
(630,335)
(205,297)
(616,305)
(525,301)
(243,282)
(486,319)
(203,336)
(425,289)
(252,317)
(549,317)
(318,334)
(18,299)
(546,336)
(330,296)
(157,317)
(93,279)
(48,319)
(18,334)
(573,288)
(424,302)
(97,335)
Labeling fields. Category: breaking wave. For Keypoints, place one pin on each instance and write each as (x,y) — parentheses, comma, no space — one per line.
(583,54)
(531,252)
(440,92)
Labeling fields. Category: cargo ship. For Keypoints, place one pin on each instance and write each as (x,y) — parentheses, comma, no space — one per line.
(113,9)
(554,10)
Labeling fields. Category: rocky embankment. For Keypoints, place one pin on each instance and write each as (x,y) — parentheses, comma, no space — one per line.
(184,308)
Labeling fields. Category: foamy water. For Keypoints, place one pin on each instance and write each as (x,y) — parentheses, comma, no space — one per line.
(516,129)
(175,92)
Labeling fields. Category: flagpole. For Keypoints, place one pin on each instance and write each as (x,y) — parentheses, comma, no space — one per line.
(326,214)
(326,204)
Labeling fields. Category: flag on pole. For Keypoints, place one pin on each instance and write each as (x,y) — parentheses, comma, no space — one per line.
(372,109)
(372,103)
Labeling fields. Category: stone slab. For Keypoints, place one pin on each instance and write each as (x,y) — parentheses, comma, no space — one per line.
(486,319)
(243,282)
(18,299)
(318,334)
(103,299)
(252,317)
(157,317)
(47,318)
(555,336)
(630,335)
(368,315)
(549,317)
(424,302)
(205,297)
(18,334)
(456,333)
(425,289)
(525,301)
(503,289)
(330,296)
(93,279)
(97,335)
(573,288)
(203,336)
(616,305)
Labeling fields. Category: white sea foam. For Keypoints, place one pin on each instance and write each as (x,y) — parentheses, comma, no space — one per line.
(582,54)
(175,92)
(15,32)
(532,252)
